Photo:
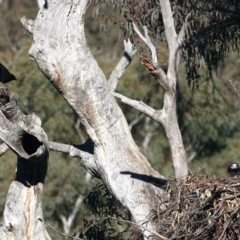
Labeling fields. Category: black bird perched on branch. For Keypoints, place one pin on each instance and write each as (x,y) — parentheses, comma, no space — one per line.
(233,170)
(5,75)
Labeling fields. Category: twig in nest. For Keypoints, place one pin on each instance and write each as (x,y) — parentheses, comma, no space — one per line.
(225,228)
(231,197)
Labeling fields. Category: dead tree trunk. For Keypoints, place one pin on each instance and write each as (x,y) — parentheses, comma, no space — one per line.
(23,217)
(167,116)
(61,52)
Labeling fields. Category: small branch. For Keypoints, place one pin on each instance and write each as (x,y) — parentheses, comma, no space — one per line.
(226,224)
(141,107)
(150,129)
(168,21)
(48,225)
(60,147)
(158,74)
(141,226)
(122,65)
(182,33)
(79,131)
(83,151)
(152,65)
(28,24)
(138,118)
(42,3)
(3,148)
(192,156)
(235,89)
(148,42)
(9,41)
(181,38)
(125,221)
(68,221)
(231,197)
(73,151)
(161,78)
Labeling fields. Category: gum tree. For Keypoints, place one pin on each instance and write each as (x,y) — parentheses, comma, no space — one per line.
(61,52)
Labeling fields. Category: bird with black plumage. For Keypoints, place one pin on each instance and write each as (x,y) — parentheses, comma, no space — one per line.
(5,75)
(233,170)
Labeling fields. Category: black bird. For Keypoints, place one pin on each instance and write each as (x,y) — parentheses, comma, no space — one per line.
(5,75)
(233,170)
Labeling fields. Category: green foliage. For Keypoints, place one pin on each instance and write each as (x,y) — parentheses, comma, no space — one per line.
(214,31)
(98,223)
(199,118)
(208,118)
(212,28)
(103,203)
(11,38)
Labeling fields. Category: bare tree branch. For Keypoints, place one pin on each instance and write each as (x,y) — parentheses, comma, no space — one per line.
(60,147)
(122,65)
(158,74)
(79,130)
(68,221)
(181,38)
(48,225)
(141,107)
(150,131)
(74,151)
(152,65)
(136,120)
(125,221)
(9,41)
(168,23)
(148,42)
(183,31)
(140,226)
(83,151)
(23,133)
(235,89)
(29,24)
(168,115)
(161,78)
(61,52)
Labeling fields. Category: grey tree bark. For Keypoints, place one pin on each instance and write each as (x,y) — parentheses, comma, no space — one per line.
(61,52)
(167,116)
(23,217)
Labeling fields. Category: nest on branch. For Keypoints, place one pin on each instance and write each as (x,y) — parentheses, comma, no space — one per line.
(200,208)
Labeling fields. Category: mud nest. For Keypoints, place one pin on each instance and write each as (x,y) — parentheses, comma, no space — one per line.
(201,208)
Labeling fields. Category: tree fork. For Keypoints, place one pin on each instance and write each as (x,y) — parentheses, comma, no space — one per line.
(23,217)
(61,52)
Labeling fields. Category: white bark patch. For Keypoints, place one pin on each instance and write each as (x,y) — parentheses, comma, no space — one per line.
(61,52)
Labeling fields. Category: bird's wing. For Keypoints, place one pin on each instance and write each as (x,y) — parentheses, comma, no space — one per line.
(5,75)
